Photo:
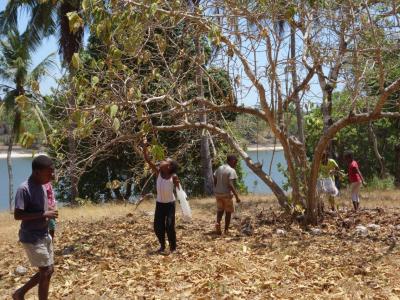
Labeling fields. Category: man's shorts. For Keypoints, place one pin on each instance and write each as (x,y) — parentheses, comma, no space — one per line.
(225,203)
(41,253)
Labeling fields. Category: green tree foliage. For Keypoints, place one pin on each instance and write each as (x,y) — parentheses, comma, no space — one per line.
(356,138)
(47,18)
(113,80)
(22,99)
(144,80)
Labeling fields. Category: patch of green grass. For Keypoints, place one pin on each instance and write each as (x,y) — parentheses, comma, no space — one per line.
(381,184)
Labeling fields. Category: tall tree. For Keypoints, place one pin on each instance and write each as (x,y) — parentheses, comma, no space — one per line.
(45,18)
(206,161)
(140,64)
(21,83)
(71,36)
(326,61)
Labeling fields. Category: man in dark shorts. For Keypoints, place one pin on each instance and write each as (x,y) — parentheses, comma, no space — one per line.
(224,190)
(31,207)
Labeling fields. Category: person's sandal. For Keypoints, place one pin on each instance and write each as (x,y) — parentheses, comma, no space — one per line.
(160,251)
(173,251)
(218,228)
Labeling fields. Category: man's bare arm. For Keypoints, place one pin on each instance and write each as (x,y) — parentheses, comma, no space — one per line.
(233,189)
(21,215)
(148,159)
(362,177)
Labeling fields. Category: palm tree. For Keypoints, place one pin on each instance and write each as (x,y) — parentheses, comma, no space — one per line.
(45,18)
(20,83)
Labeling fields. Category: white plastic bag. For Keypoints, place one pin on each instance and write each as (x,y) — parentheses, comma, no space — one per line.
(186,211)
(327,186)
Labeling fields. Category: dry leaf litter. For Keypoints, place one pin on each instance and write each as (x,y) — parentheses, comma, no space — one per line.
(266,256)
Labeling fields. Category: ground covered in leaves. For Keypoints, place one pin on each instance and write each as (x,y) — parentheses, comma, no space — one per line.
(266,256)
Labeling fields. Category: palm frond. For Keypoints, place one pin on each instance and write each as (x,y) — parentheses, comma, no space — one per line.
(9,100)
(14,46)
(15,57)
(31,39)
(40,118)
(41,16)
(6,73)
(41,22)
(9,16)
(43,67)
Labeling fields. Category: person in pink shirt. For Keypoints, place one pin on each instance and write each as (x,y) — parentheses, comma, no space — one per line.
(52,205)
(355,178)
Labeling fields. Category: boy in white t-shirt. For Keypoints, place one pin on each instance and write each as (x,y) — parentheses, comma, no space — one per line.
(164,216)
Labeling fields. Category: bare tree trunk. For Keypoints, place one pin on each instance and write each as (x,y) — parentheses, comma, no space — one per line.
(326,109)
(72,155)
(72,167)
(299,114)
(206,165)
(205,155)
(397,160)
(374,141)
(10,171)
(13,135)
(70,42)
(128,192)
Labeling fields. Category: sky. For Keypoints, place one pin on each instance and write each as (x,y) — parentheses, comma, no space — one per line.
(47,47)
(50,45)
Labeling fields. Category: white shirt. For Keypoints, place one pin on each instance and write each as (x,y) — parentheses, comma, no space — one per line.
(165,190)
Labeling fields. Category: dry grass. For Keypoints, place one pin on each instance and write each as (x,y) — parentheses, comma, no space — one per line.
(103,252)
(92,213)
(89,213)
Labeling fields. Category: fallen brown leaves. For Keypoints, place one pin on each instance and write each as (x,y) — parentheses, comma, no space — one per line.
(112,258)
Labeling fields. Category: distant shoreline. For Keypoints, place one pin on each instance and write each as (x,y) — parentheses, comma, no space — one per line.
(19,152)
(22,153)
(19,155)
(252,148)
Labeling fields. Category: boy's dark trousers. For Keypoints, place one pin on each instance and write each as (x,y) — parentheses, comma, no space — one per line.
(164,221)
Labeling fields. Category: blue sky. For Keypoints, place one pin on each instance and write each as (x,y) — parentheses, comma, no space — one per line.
(48,46)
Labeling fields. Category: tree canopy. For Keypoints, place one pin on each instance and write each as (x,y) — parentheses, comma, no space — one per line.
(180,71)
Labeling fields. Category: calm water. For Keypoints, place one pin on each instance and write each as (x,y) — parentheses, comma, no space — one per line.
(253,183)
(22,169)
